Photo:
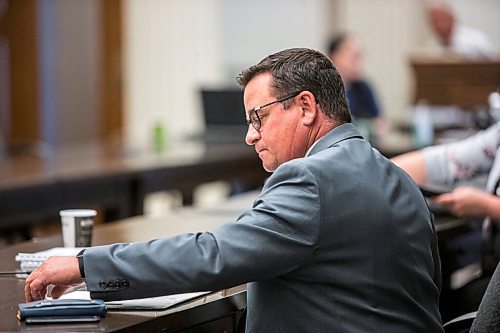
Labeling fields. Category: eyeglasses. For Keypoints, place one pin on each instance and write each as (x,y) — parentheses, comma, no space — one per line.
(253,116)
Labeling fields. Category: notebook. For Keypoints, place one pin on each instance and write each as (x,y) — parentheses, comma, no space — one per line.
(224,115)
(30,261)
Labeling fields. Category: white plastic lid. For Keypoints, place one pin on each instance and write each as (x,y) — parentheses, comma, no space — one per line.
(494,100)
(78,212)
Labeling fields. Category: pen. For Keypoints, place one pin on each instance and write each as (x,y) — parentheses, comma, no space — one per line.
(14,273)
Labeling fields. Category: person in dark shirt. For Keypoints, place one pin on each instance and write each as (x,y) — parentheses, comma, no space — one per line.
(346,54)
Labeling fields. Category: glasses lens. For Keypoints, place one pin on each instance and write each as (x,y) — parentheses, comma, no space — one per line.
(255,120)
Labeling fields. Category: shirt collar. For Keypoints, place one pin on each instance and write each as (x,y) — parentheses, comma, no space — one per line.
(314,144)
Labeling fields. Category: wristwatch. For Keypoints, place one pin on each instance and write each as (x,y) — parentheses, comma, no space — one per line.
(79,256)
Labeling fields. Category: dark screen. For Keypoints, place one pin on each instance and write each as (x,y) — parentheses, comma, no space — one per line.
(223,106)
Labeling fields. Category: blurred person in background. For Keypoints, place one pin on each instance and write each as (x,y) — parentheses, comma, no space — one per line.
(346,53)
(454,39)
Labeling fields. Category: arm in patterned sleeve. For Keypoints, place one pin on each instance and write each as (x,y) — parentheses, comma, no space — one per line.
(464,159)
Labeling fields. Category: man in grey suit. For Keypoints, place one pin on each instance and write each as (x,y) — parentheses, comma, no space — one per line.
(339,240)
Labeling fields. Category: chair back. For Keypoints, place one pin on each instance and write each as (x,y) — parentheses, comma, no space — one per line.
(488,315)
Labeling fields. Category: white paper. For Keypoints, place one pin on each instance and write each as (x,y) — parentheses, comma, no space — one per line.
(30,261)
(151,303)
(43,255)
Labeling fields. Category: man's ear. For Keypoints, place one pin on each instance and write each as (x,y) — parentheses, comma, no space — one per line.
(309,107)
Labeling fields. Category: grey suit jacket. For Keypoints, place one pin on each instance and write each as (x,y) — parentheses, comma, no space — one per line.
(338,241)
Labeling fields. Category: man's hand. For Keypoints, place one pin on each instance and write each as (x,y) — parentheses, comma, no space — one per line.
(464,202)
(61,272)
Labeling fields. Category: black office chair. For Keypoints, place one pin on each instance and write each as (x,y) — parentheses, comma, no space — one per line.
(487,317)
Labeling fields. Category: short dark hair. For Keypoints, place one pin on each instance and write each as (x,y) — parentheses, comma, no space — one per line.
(301,69)
(336,43)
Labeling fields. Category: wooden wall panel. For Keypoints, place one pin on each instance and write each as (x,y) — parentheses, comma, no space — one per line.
(22,38)
(111,104)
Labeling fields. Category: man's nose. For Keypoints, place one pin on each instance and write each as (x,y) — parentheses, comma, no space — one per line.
(252,135)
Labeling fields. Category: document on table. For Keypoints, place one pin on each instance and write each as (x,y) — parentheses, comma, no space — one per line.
(151,303)
(29,261)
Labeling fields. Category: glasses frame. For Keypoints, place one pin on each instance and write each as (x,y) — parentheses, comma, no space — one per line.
(257,122)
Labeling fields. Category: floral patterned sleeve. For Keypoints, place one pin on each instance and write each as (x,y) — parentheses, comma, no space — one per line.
(452,162)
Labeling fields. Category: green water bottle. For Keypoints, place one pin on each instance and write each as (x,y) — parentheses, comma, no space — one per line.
(159,137)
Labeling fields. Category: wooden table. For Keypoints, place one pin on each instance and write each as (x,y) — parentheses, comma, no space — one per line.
(218,312)
(34,187)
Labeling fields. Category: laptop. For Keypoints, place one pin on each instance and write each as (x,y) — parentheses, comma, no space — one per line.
(224,114)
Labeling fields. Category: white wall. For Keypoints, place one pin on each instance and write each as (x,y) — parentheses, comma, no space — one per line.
(171,47)
(174,46)
(255,29)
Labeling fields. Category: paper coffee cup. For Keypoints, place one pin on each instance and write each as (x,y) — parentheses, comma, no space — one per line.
(77,227)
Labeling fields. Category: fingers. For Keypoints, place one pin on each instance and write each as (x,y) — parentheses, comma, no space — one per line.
(445,200)
(32,293)
(58,271)
(34,287)
(35,290)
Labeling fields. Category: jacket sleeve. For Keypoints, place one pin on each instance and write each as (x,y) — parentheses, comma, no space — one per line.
(272,238)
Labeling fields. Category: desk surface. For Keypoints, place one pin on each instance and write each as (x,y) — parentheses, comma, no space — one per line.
(218,308)
(95,160)
(35,187)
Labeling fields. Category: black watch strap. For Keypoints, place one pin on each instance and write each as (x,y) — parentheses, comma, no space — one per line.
(79,256)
